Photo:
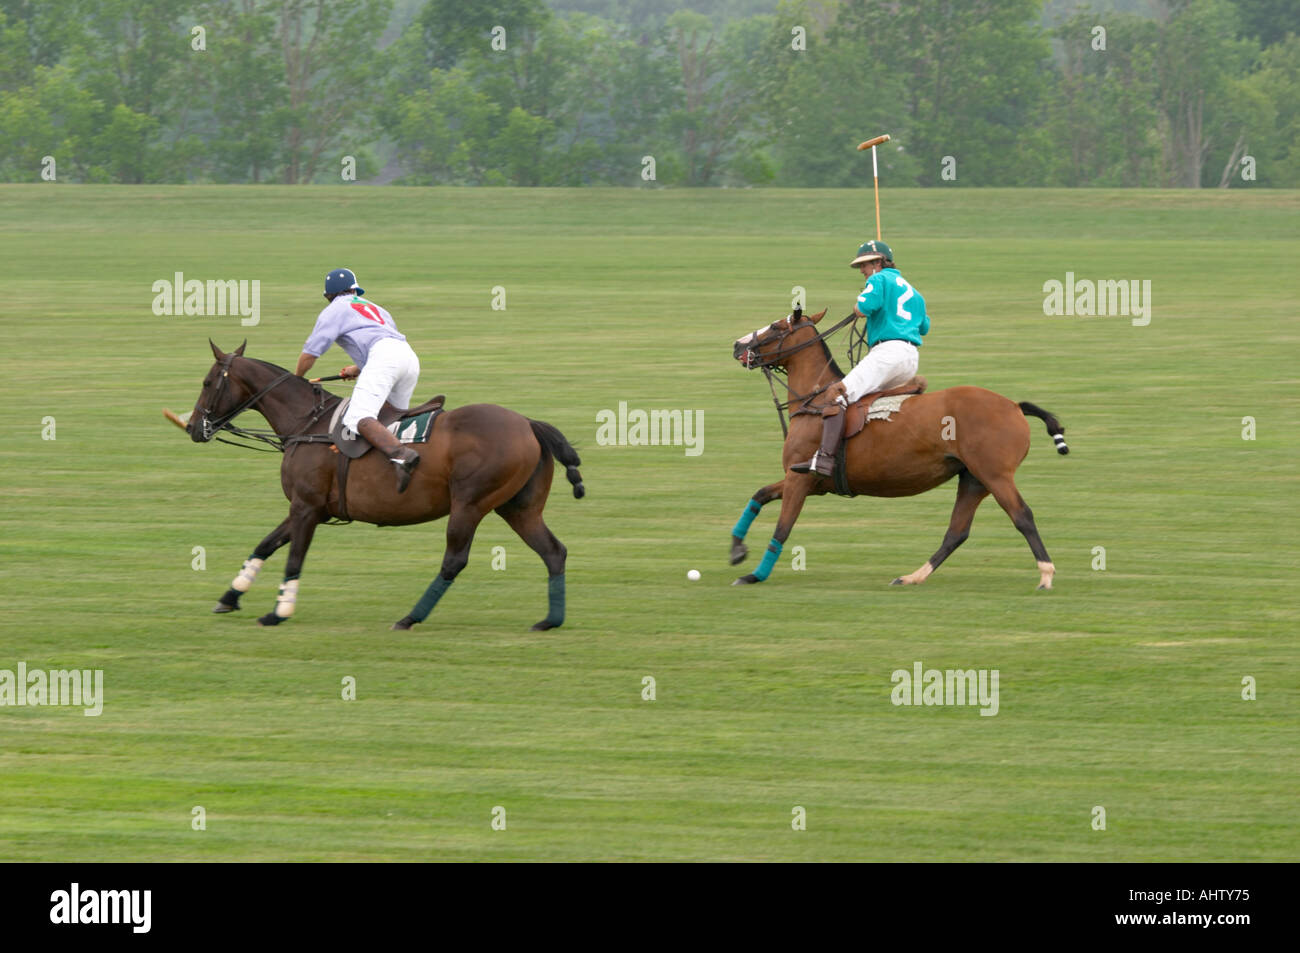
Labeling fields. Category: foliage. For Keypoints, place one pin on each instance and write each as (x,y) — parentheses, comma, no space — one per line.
(1180,93)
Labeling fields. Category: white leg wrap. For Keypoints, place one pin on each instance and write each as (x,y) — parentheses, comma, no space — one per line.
(1046,572)
(287,598)
(244,581)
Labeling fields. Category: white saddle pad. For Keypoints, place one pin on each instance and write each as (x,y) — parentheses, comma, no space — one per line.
(882,408)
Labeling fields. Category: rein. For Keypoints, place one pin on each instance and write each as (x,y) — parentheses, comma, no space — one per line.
(212,428)
(770,370)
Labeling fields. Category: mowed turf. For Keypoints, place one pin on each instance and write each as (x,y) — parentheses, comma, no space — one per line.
(1119,689)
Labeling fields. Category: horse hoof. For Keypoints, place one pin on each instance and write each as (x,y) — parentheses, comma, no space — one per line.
(898,582)
(221,607)
(1041,587)
(738,554)
(269,619)
(544,625)
(402,625)
(747,580)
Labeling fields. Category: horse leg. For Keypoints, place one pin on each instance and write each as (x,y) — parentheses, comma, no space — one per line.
(794,491)
(303,520)
(534,531)
(970,493)
(229,601)
(1009,498)
(461,524)
(760,499)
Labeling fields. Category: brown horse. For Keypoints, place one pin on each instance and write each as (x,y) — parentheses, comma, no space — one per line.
(478,458)
(967,432)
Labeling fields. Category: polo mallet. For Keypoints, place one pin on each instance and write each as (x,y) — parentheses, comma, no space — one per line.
(875,173)
(332,377)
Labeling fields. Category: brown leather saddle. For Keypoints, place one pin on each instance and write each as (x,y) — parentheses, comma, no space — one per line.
(353,445)
(349,446)
(389,414)
(858,410)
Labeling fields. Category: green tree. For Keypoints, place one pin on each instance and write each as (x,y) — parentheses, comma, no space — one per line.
(1196,54)
(332,75)
(715,95)
(53,116)
(973,73)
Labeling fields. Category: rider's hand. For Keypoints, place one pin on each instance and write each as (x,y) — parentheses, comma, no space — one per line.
(349,372)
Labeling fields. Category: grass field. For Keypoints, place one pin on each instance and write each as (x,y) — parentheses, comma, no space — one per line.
(1120,688)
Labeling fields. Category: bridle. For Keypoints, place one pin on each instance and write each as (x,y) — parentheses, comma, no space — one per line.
(769,363)
(211,427)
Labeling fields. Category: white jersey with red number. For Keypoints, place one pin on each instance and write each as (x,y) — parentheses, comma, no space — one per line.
(355,324)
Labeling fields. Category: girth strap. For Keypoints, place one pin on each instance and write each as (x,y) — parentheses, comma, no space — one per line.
(839,473)
(345,464)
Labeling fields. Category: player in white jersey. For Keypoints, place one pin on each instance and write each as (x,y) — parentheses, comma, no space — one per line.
(384,365)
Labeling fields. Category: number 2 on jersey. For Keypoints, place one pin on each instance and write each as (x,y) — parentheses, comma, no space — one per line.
(902,283)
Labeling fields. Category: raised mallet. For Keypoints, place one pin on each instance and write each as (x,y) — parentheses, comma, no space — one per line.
(875,174)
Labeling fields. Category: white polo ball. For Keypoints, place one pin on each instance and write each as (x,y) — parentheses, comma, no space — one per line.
(693,575)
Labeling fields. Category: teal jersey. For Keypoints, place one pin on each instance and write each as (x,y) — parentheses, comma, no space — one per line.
(893,308)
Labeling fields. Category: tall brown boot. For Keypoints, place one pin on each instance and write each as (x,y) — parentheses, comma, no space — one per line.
(404,459)
(823,461)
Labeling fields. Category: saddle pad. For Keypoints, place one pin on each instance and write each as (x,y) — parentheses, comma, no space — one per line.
(883,407)
(414,429)
(408,430)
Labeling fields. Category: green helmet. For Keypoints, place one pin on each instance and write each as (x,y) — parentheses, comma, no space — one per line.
(869,251)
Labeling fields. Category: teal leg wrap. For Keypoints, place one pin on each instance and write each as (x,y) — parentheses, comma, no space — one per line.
(430,598)
(555,596)
(746,519)
(769,560)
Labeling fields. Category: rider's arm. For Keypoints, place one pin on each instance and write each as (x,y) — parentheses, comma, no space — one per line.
(872,297)
(322,337)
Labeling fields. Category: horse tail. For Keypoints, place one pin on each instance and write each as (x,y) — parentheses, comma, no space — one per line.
(1053,425)
(554,443)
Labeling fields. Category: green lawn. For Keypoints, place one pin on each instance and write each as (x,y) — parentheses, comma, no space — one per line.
(1120,688)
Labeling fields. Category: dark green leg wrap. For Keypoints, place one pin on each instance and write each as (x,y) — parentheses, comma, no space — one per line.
(555,594)
(434,593)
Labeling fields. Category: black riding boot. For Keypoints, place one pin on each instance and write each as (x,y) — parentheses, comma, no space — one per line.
(404,459)
(823,461)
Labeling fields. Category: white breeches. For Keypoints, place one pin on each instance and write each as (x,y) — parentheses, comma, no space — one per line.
(888,364)
(392,370)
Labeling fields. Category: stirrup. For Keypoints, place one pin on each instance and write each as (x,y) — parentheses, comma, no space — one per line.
(405,464)
(811,465)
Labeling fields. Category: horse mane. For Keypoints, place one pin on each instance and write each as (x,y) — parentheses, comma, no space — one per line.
(276,368)
(830,359)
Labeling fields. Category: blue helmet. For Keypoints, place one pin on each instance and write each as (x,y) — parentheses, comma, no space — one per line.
(340,280)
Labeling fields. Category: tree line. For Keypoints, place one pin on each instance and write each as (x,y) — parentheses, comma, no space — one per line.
(1173,93)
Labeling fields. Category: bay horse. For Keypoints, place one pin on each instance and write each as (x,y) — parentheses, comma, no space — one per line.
(968,432)
(477,459)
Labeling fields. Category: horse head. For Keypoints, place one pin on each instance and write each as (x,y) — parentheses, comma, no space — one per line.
(219,395)
(771,346)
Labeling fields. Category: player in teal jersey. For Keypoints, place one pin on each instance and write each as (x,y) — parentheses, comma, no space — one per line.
(896,322)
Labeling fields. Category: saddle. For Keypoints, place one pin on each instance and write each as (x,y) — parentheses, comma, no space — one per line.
(389,414)
(353,445)
(349,445)
(880,406)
